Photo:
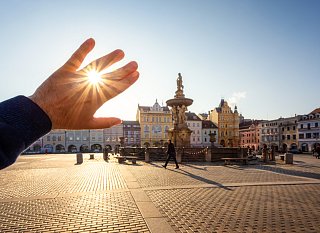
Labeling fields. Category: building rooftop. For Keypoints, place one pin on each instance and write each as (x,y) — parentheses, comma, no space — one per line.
(208,125)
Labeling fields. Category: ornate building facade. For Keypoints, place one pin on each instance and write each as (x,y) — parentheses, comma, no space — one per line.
(155,121)
(228,124)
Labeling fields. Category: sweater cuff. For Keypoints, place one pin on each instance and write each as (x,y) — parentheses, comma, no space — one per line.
(26,117)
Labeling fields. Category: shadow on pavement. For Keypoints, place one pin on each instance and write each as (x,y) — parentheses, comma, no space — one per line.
(290,172)
(186,173)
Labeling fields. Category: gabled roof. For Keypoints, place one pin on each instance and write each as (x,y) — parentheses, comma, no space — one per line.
(206,124)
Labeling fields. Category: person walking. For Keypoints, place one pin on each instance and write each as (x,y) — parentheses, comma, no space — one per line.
(171,153)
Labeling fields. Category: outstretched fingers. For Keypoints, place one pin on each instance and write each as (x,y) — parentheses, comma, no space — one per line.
(114,86)
(79,55)
(122,72)
(104,62)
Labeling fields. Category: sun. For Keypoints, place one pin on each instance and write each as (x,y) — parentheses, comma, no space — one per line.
(94,77)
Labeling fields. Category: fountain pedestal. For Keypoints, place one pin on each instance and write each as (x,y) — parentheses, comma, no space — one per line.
(180,133)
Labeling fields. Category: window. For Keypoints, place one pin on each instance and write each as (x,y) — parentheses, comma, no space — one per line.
(48,138)
(54,138)
(288,128)
(308,135)
(301,126)
(59,138)
(308,125)
(283,137)
(316,125)
(294,137)
(294,128)
(301,136)
(288,137)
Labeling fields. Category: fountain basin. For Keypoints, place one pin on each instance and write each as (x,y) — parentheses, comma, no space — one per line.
(179,102)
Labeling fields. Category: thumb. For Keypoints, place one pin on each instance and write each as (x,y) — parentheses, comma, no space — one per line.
(104,122)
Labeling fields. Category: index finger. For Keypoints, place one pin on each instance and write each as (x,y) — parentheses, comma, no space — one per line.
(79,55)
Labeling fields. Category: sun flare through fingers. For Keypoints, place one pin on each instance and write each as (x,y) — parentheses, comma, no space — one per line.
(94,77)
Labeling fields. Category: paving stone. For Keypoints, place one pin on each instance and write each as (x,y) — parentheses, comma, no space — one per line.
(242,209)
(49,193)
(72,213)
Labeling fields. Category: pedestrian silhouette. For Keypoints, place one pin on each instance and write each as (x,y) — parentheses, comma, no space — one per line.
(171,153)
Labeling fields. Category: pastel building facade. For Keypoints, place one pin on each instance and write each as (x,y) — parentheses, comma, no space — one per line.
(249,132)
(155,121)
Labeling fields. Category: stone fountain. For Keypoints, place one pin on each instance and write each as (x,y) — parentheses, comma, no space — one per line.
(180,134)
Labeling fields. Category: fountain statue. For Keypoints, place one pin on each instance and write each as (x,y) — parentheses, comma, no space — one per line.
(180,134)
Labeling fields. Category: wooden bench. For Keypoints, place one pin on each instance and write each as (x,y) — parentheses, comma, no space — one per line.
(228,160)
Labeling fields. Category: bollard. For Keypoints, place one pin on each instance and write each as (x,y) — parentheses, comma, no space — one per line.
(79,158)
(208,155)
(105,154)
(288,158)
(146,155)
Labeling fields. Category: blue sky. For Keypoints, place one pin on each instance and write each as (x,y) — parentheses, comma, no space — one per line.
(263,56)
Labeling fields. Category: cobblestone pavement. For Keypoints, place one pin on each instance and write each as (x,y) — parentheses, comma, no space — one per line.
(49,193)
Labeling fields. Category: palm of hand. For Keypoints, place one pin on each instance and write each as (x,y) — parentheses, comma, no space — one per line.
(70,100)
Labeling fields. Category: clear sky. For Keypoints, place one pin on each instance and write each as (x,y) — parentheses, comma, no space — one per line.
(263,56)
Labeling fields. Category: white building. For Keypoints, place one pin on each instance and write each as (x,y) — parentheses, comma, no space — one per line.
(209,128)
(195,124)
(309,130)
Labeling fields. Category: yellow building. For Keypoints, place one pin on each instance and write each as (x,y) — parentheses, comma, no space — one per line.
(228,124)
(155,121)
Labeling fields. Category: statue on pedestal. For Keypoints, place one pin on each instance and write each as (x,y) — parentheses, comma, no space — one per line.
(179,92)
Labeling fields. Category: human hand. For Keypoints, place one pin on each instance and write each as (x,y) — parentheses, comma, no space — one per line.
(70,100)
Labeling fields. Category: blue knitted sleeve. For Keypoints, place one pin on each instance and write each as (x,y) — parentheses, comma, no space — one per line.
(21,123)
